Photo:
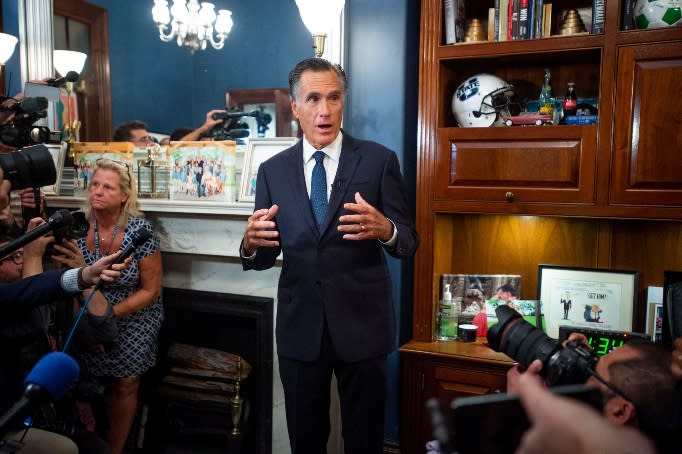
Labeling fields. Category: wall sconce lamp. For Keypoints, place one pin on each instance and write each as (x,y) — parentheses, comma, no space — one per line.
(7,45)
(65,62)
(319,17)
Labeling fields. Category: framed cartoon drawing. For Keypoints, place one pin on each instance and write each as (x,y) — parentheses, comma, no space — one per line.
(601,299)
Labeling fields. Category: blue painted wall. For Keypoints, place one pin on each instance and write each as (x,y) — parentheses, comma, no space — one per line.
(167,87)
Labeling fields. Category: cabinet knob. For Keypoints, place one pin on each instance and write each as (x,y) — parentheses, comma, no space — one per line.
(509,196)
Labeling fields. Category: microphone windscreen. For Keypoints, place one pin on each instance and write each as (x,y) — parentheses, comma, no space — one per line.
(56,372)
(71,76)
(141,236)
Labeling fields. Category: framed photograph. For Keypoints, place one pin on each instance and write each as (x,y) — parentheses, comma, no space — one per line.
(654,299)
(203,170)
(58,153)
(475,294)
(273,101)
(258,151)
(87,153)
(588,297)
(671,313)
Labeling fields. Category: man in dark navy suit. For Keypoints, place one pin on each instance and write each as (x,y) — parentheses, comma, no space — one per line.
(331,205)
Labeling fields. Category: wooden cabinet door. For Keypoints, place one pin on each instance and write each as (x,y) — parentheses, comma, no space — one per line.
(517,164)
(647,139)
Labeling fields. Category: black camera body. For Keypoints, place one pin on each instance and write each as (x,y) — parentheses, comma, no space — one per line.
(232,128)
(21,131)
(73,231)
(518,339)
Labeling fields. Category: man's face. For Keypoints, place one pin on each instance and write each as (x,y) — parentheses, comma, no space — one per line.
(140,137)
(9,270)
(319,107)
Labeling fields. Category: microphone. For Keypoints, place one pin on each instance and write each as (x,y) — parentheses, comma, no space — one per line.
(50,379)
(27,105)
(71,76)
(140,236)
(59,219)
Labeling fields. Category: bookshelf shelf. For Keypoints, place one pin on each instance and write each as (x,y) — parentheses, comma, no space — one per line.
(502,200)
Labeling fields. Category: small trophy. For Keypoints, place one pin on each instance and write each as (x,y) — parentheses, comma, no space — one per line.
(572,23)
(474,32)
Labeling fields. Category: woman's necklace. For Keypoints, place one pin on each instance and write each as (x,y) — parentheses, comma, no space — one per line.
(114,232)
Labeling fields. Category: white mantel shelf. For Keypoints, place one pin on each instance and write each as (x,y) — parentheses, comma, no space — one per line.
(167,206)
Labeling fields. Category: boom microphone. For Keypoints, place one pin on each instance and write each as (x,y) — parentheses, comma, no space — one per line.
(59,219)
(71,76)
(51,377)
(26,105)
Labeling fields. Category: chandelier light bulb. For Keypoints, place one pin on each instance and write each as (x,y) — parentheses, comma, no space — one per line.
(192,25)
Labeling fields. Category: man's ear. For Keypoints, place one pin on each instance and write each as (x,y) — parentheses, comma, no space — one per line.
(620,411)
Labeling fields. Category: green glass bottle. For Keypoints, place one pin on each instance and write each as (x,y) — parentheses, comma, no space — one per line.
(546,95)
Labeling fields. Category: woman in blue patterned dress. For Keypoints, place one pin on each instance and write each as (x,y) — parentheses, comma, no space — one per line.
(114,216)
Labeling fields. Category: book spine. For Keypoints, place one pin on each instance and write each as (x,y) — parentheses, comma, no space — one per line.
(496,30)
(504,11)
(628,19)
(598,16)
(510,20)
(515,19)
(531,19)
(460,20)
(538,18)
(449,21)
(523,19)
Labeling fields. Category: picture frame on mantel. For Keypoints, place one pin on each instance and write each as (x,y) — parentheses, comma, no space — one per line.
(274,101)
(258,151)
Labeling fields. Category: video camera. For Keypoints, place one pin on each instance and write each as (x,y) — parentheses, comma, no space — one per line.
(20,131)
(232,128)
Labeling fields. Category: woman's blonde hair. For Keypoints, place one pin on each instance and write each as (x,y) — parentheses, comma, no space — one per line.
(131,207)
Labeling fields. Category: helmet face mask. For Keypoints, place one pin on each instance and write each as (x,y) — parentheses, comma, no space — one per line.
(481,100)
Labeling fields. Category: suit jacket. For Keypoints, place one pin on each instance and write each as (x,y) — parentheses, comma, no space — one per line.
(29,292)
(325,277)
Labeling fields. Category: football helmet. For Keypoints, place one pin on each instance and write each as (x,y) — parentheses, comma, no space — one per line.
(480,100)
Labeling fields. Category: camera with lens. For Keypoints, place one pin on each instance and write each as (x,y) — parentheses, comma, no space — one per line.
(521,341)
(20,131)
(73,231)
(30,167)
(232,128)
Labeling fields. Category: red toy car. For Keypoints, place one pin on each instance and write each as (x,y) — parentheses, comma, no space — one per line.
(528,118)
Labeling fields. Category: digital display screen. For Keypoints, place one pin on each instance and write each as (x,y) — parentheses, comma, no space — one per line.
(602,345)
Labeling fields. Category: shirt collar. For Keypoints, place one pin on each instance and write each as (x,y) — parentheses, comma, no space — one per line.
(333,150)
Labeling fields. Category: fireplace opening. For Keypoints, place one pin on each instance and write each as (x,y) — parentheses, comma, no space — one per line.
(237,324)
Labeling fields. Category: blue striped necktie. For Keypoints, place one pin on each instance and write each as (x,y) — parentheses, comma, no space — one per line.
(318,188)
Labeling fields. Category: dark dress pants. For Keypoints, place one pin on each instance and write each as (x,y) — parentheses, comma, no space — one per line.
(362,392)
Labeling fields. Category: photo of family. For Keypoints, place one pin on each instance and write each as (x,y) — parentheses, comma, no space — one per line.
(202,171)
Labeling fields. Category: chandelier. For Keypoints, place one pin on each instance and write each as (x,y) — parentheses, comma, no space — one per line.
(192,25)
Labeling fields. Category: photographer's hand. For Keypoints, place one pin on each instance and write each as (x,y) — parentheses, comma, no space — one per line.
(561,425)
(5,188)
(105,269)
(209,123)
(71,255)
(34,251)
(514,375)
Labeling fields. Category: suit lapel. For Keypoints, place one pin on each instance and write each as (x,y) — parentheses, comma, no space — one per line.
(298,188)
(348,162)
